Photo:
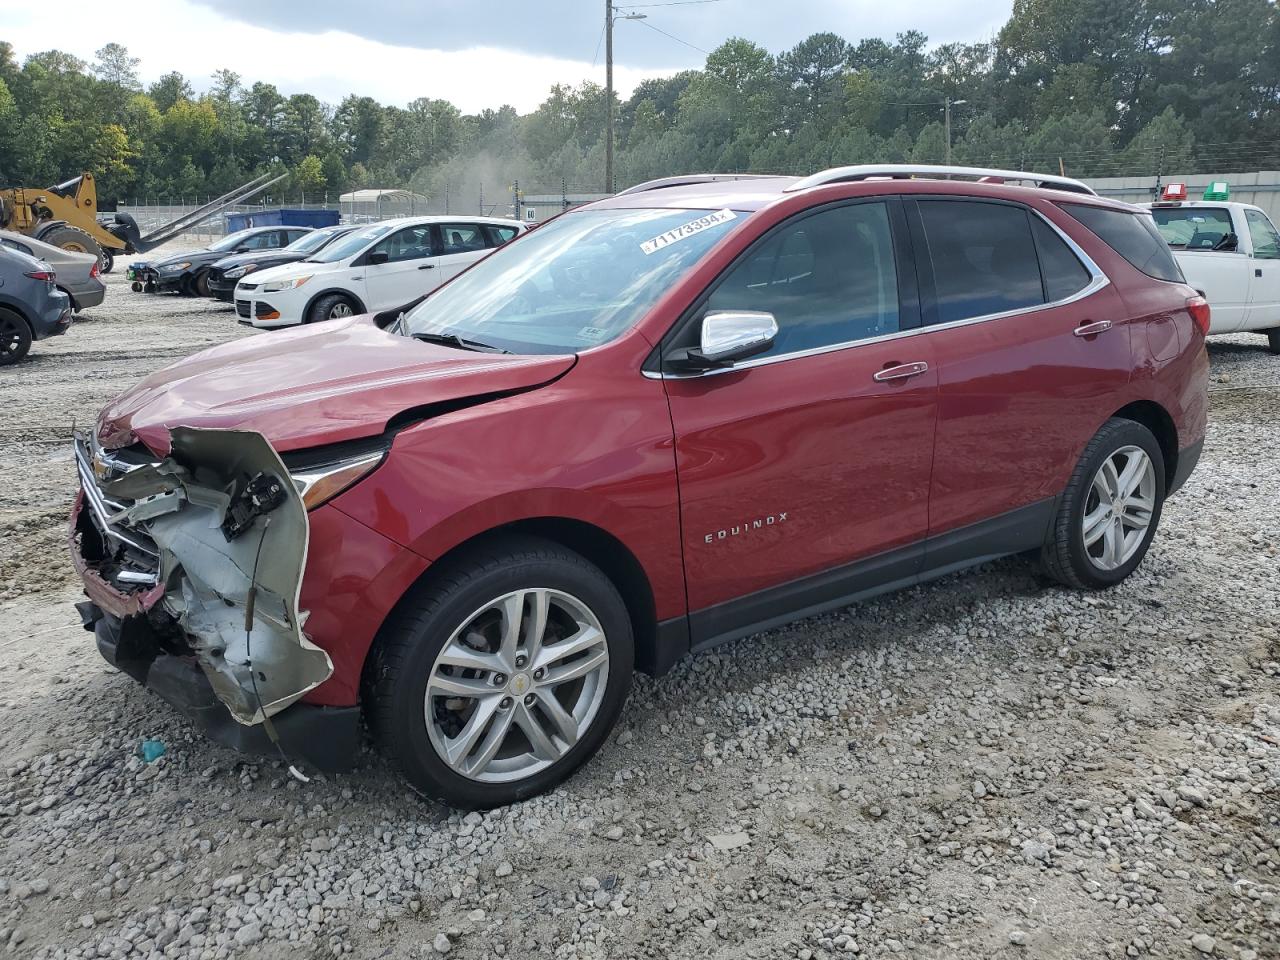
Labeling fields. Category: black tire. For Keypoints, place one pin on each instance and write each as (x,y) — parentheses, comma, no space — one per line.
(330,307)
(107,261)
(200,283)
(1064,557)
(1273,340)
(73,239)
(413,637)
(15,337)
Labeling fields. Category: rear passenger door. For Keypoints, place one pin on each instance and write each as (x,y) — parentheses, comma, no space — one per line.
(1032,351)
(461,244)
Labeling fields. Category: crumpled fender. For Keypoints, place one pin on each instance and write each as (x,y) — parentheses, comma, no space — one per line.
(235,593)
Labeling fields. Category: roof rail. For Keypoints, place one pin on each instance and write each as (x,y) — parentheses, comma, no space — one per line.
(692,178)
(903,171)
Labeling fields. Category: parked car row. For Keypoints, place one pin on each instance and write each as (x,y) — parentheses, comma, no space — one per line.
(697,409)
(41,286)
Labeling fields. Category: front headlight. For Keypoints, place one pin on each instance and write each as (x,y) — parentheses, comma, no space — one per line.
(236,272)
(275,286)
(170,267)
(322,482)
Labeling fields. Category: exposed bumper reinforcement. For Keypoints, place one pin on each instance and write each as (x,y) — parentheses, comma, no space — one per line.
(327,738)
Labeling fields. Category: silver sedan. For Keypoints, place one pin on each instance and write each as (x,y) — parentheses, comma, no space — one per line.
(78,274)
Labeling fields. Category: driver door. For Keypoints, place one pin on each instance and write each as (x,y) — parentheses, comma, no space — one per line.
(400,268)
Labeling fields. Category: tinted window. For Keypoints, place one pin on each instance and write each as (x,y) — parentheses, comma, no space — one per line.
(461,237)
(502,235)
(984,259)
(1061,270)
(1266,244)
(1192,228)
(266,240)
(1132,235)
(411,243)
(827,278)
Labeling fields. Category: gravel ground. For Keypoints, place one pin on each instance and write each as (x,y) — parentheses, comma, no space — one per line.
(985,767)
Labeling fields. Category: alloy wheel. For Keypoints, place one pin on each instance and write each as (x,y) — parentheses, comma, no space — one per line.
(340,310)
(11,337)
(1119,508)
(517,685)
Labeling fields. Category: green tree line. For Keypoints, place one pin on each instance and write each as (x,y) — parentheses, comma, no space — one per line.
(1094,87)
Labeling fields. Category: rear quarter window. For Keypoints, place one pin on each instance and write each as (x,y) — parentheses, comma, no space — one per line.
(1132,235)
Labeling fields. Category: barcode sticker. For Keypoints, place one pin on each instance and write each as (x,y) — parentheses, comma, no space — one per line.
(686,230)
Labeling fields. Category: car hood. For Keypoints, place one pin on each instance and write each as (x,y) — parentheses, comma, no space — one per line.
(264,259)
(335,381)
(195,256)
(285,271)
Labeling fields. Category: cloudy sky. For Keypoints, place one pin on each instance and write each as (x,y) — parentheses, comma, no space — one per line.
(476,53)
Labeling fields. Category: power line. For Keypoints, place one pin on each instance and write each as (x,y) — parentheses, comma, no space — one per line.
(672,3)
(599,40)
(646,23)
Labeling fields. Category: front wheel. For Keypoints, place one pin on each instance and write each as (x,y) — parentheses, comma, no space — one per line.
(1110,510)
(200,285)
(503,676)
(334,306)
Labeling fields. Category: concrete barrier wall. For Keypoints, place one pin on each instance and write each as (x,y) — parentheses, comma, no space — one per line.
(1262,188)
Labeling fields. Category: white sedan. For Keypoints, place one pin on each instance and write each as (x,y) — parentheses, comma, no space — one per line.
(383,266)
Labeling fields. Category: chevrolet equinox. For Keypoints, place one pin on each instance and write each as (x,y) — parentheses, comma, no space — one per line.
(700,408)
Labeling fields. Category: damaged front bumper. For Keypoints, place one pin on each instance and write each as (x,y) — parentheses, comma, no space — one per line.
(193,566)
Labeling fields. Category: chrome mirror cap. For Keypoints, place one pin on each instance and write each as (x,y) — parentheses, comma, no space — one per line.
(729,335)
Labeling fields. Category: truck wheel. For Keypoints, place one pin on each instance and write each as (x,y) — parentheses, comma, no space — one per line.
(1273,340)
(499,678)
(1109,512)
(334,306)
(15,337)
(74,239)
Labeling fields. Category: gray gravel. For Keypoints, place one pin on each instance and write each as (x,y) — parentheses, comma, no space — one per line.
(985,767)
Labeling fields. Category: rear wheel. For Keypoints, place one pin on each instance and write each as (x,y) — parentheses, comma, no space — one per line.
(15,337)
(1273,339)
(333,306)
(73,239)
(107,261)
(1110,510)
(502,677)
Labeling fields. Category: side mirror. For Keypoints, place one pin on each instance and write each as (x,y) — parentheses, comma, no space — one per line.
(728,336)
(377,257)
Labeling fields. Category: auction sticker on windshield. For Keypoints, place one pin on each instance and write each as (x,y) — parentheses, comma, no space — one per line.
(686,230)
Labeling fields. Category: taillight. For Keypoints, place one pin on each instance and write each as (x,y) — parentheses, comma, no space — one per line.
(94,271)
(45,275)
(1198,307)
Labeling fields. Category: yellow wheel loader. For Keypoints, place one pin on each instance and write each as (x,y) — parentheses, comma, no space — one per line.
(67,216)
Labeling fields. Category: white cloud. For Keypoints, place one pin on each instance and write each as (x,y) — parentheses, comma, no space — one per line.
(177,35)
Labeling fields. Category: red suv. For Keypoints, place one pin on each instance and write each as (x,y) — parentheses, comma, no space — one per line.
(687,413)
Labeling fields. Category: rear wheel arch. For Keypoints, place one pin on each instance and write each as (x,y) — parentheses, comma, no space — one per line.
(589,541)
(1156,419)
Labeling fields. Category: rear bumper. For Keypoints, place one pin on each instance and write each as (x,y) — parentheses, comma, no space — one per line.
(327,738)
(89,296)
(1188,457)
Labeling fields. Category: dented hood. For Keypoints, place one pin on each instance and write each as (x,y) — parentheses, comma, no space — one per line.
(316,385)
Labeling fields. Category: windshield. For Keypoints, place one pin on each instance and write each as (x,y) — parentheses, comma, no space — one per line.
(1192,228)
(230,240)
(310,242)
(349,244)
(576,282)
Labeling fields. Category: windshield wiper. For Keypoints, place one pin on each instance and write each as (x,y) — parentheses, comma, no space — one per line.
(453,340)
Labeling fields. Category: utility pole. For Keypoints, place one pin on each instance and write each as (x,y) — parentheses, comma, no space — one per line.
(608,95)
(947,104)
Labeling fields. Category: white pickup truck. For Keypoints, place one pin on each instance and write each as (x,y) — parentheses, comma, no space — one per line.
(1230,252)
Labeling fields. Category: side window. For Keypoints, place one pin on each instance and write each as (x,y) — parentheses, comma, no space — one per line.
(501,235)
(292,235)
(411,243)
(1132,235)
(827,278)
(1062,271)
(1266,243)
(984,258)
(262,241)
(461,237)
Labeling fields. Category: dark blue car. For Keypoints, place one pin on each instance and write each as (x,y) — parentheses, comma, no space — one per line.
(31,306)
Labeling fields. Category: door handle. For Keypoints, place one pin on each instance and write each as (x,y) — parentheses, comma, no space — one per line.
(427,266)
(1092,329)
(901,372)
(1257,271)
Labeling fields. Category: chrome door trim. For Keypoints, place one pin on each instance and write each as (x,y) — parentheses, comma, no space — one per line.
(1097,282)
